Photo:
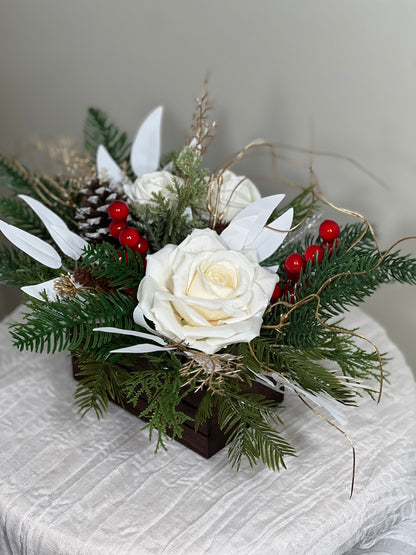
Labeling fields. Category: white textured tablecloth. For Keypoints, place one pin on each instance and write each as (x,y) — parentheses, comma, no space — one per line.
(71,486)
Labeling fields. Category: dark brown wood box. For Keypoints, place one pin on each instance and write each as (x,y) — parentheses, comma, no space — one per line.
(209,439)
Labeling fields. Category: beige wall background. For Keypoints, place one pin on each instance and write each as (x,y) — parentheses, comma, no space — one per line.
(335,74)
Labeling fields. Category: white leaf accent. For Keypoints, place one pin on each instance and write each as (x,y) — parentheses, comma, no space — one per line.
(248,224)
(321,399)
(273,269)
(134,333)
(142,348)
(107,168)
(31,245)
(145,151)
(269,240)
(47,286)
(140,320)
(69,242)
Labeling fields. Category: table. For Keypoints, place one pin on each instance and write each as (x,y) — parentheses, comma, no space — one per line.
(81,486)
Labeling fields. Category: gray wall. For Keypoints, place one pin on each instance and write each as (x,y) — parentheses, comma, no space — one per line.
(341,72)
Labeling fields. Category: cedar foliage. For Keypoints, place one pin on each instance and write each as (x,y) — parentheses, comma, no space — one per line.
(164,221)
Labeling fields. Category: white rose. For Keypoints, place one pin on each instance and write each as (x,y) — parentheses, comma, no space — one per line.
(236,192)
(204,294)
(157,182)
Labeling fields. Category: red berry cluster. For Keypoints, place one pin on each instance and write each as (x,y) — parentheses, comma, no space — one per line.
(329,232)
(118,228)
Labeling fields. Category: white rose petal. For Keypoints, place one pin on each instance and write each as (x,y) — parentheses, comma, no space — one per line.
(141,191)
(204,294)
(236,192)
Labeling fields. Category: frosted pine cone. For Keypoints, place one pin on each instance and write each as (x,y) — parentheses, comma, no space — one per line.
(92,215)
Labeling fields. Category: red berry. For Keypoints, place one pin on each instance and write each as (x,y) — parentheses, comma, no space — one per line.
(131,291)
(129,237)
(331,247)
(289,292)
(118,210)
(123,255)
(142,246)
(294,264)
(329,231)
(276,293)
(115,228)
(314,253)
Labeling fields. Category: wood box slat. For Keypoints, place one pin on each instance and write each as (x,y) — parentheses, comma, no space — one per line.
(209,439)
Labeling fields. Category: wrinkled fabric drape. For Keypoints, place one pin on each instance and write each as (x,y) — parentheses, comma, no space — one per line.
(81,486)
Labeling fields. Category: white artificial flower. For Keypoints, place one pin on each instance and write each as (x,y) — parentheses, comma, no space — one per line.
(235,193)
(205,294)
(141,191)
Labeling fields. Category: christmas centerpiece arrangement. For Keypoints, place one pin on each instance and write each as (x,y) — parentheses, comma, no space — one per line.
(185,296)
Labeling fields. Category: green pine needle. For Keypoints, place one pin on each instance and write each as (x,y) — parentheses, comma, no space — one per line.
(250,422)
(17,213)
(15,176)
(18,269)
(99,131)
(164,221)
(68,323)
(122,268)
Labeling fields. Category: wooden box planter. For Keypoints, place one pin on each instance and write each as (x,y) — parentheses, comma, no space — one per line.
(209,439)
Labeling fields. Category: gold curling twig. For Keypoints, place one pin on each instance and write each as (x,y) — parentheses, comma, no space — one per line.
(302,221)
(271,370)
(354,214)
(391,248)
(342,432)
(284,319)
(215,183)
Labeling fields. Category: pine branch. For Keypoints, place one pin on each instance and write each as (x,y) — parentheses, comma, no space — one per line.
(205,409)
(60,197)
(164,221)
(301,367)
(15,176)
(351,359)
(343,279)
(100,381)
(303,205)
(18,269)
(68,322)
(20,215)
(123,268)
(249,421)
(99,131)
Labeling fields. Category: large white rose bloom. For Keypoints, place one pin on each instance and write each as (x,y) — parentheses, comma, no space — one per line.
(141,191)
(236,192)
(204,294)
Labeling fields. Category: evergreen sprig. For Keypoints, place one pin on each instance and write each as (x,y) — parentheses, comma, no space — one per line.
(99,131)
(69,322)
(249,420)
(99,381)
(15,176)
(299,366)
(304,204)
(18,269)
(165,221)
(122,268)
(20,215)
(343,279)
